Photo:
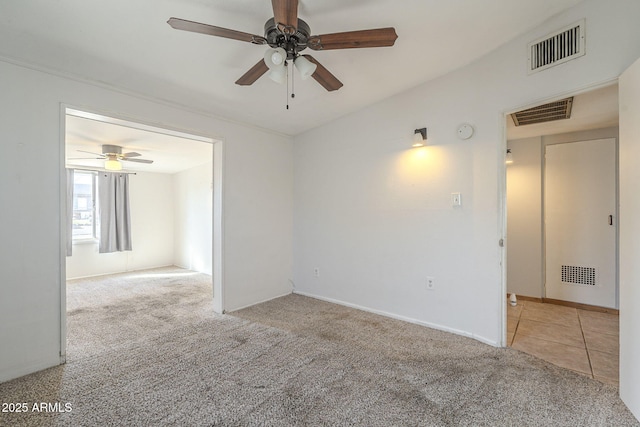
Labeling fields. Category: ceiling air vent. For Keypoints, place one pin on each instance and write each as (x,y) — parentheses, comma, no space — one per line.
(556,48)
(556,110)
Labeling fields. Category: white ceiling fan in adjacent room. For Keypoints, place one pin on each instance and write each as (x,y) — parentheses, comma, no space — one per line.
(113,156)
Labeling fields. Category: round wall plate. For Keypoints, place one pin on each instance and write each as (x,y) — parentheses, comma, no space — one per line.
(465,131)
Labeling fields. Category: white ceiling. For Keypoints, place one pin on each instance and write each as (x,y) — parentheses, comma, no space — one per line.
(128,44)
(170,153)
(591,110)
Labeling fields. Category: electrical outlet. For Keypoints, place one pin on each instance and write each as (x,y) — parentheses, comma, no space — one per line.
(431,283)
(316,272)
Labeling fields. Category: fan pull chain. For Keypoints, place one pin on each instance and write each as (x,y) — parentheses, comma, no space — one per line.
(293,95)
(287,95)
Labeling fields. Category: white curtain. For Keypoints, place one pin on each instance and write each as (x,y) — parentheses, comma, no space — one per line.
(115,221)
(70,173)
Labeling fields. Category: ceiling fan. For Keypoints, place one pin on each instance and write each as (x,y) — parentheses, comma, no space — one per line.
(112,155)
(287,35)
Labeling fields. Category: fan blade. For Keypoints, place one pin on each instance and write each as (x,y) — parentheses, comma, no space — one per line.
(85,158)
(124,159)
(95,154)
(323,76)
(196,27)
(354,39)
(253,74)
(132,154)
(285,13)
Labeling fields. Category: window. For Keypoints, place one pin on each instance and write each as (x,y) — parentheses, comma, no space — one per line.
(84,205)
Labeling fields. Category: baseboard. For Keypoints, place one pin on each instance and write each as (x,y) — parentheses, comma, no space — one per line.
(526,298)
(256,303)
(586,307)
(123,272)
(402,318)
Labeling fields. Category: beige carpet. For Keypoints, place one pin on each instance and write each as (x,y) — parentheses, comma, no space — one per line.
(147,350)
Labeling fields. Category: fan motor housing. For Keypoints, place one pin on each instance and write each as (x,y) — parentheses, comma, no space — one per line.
(111,149)
(292,43)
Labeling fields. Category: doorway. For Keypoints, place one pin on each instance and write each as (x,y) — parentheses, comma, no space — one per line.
(175,200)
(577,332)
(530,244)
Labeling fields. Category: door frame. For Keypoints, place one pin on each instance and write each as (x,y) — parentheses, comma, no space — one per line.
(502,189)
(218,285)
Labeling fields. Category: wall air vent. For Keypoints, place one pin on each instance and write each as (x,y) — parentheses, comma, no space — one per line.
(556,110)
(578,275)
(558,47)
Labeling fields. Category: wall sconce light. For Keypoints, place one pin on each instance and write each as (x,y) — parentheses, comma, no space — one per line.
(509,158)
(419,137)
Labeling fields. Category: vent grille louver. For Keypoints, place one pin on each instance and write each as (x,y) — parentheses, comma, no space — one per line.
(557,110)
(557,48)
(579,275)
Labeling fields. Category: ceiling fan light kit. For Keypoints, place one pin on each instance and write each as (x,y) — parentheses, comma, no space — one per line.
(287,36)
(112,164)
(305,67)
(279,75)
(274,58)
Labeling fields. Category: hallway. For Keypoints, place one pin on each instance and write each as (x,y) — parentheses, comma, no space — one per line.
(583,341)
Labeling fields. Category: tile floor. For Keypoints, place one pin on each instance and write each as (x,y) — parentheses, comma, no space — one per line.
(580,340)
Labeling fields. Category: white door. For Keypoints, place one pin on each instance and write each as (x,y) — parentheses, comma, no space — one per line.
(580,222)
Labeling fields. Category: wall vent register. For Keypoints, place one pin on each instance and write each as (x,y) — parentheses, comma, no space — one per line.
(557,48)
(579,275)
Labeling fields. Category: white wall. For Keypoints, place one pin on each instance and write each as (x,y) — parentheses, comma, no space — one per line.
(261,245)
(193,218)
(257,178)
(630,238)
(524,208)
(376,217)
(152,232)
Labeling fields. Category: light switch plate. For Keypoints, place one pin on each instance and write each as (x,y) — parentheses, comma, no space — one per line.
(456,199)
